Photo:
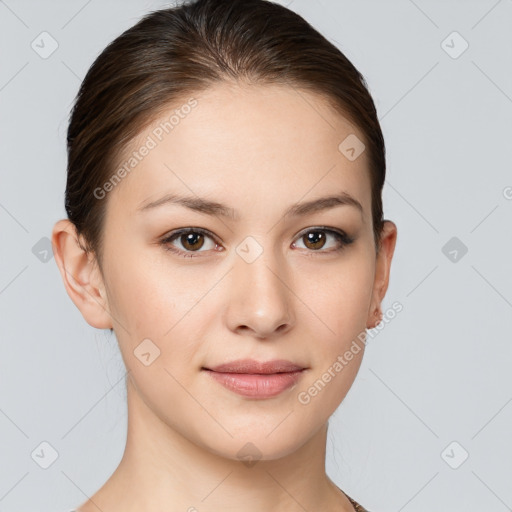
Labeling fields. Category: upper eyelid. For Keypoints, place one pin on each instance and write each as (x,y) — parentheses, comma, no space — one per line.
(183,231)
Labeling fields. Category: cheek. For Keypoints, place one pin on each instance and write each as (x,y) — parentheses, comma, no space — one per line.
(147,297)
(339,295)
(350,299)
(161,305)
(340,301)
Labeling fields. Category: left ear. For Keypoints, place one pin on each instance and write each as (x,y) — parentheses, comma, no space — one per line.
(382,270)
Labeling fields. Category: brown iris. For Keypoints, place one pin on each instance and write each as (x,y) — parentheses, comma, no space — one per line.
(315,238)
(190,241)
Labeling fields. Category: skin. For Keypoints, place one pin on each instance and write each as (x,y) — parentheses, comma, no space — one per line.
(257,149)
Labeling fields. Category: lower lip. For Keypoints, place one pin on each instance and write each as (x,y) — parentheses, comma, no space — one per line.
(257,385)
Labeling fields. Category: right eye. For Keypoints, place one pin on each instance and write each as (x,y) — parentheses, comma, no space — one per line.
(191,239)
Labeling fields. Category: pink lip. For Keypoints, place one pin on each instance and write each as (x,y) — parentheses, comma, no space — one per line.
(255,379)
(253,366)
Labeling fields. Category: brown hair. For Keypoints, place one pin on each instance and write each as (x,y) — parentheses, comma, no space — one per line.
(173,52)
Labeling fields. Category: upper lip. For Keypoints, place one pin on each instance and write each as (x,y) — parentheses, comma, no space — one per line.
(253,366)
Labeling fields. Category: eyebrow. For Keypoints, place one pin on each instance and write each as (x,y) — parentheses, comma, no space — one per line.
(216,209)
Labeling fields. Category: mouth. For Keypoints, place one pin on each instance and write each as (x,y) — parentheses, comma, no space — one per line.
(254,379)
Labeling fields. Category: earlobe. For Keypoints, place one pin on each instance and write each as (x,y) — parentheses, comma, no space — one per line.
(382,272)
(80,275)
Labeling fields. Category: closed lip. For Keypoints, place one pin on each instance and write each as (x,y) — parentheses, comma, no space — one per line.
(251,366)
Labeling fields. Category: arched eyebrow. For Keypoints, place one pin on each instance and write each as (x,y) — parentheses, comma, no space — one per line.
(216,209)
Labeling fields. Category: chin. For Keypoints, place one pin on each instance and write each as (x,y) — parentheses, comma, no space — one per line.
(250,444)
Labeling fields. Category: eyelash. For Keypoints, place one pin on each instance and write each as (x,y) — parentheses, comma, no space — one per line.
(342,238)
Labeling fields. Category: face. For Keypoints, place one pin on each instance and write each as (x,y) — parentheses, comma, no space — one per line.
(257,278)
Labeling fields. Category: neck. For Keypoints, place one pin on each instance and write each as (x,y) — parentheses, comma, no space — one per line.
(163,470)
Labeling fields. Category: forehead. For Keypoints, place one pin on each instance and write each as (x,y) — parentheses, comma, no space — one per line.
(268,143)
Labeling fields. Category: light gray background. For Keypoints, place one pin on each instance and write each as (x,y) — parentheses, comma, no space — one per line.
(437,373)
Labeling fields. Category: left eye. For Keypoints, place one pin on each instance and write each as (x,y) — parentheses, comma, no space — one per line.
(316,239)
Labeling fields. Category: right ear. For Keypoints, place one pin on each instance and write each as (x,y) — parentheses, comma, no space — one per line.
(81,276)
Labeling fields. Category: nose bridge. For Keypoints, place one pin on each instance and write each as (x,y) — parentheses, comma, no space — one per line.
(260,298)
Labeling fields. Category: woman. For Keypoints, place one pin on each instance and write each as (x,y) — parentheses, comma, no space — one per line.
(225,170)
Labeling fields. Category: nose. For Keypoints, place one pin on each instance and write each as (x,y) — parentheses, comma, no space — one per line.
(260,301)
